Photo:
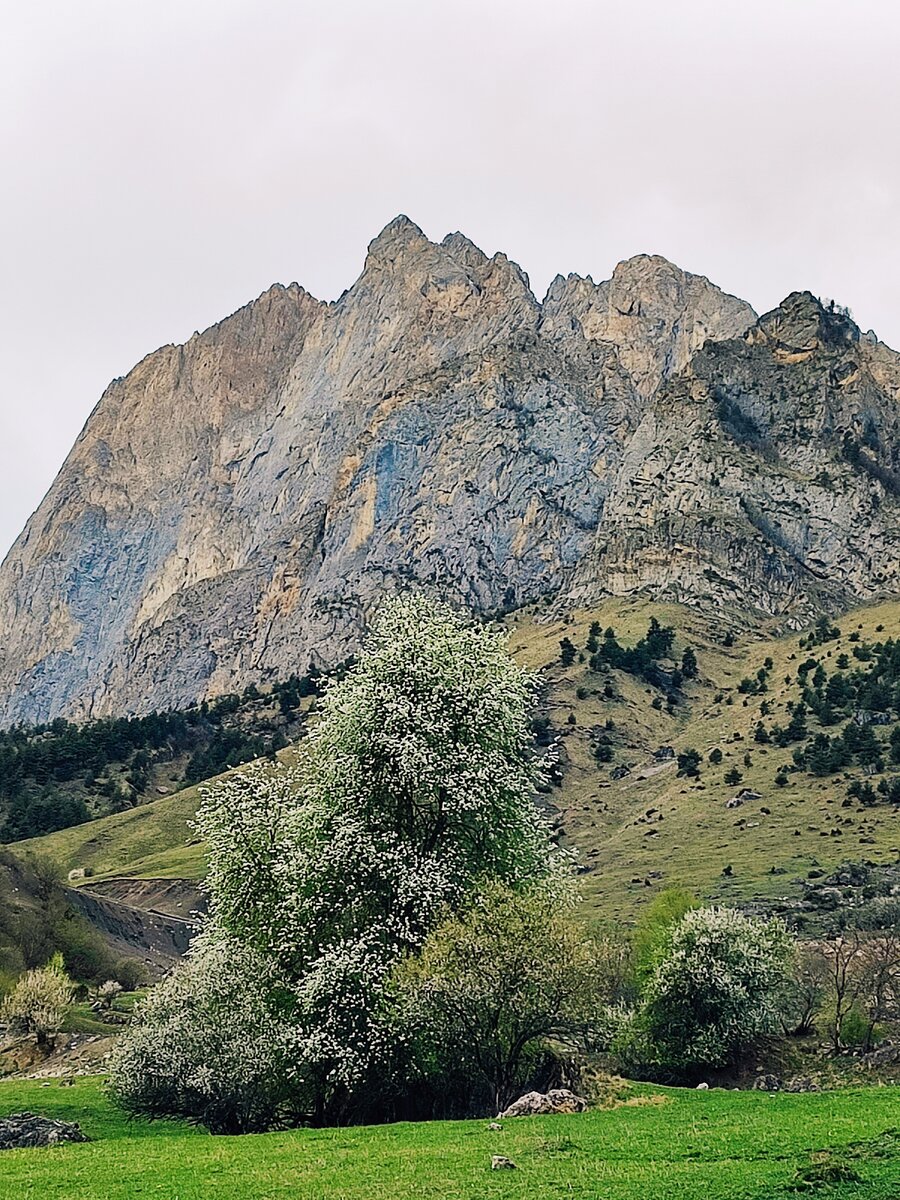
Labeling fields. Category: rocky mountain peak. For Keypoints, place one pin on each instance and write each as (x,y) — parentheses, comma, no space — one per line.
(397,237)
(653,312)
(802,322)
(236,506)
(465,251)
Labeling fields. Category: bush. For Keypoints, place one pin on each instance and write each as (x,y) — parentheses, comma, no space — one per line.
(488,990)
(108,992)
(715,989)
(39,1002)
(207,1045)
(857,1031)
(130,973)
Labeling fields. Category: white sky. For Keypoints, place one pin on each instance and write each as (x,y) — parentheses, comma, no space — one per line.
(164,161)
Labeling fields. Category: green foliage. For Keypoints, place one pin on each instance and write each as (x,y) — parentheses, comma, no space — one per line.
(654,926)
(856,1029)
(38,922)
(130,973)
(567,652)
(489,988)
(689,763)
(643,658)
(60,774)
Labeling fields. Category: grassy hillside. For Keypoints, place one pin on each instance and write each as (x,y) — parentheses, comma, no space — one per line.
(649,828)
(654,829)
(152,841)
(666,1145)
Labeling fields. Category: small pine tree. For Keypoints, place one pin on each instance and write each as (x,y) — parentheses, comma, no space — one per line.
(689,763)
(567,652)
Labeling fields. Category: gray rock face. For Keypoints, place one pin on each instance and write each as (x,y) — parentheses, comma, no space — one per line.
(763,477)
(235,506)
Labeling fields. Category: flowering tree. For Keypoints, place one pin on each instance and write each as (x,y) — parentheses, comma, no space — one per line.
(107,993)
(416,787)
(715,988)
(40,1000)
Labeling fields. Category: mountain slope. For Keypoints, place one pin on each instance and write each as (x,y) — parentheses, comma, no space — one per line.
(637,825)
(234,505)
(763,477)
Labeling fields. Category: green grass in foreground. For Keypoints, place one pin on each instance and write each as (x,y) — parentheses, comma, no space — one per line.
(716,1145)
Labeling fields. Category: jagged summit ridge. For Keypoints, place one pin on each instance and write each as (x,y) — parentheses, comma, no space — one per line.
(235,506)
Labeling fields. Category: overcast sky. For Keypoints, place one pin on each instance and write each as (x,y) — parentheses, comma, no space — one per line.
(164,161)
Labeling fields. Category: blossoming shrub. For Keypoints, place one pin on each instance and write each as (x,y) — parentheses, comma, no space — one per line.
(208,1045)
(716,988)
(415,789)
(39,1001)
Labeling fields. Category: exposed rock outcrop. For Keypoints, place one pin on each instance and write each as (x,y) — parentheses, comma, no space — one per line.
(235,506)
(21,1131)
(763,477)
(540,1104)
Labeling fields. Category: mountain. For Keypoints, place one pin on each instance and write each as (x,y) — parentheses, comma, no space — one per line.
(235,506)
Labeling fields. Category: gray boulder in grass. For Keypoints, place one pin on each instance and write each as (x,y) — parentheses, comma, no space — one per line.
(541,1104)
(20,1131)
(500,1162)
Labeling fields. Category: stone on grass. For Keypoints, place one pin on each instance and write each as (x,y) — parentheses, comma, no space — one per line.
(500,1163)
(767,1083)
(802,1083)
(22,1130)
(541,1104)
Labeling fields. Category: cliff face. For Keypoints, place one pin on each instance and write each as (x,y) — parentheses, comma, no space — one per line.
(764,477)
(235,506)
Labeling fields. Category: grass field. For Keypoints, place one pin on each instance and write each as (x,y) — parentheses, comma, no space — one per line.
(714,1145)
(650,829)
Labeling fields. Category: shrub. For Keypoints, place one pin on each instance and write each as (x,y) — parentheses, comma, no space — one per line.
(490,986)
(130,973)
(715,988)
(107,992)
(40,1000)
(208,1045)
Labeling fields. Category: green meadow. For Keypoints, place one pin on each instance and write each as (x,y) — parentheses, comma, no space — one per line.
(662,1144)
